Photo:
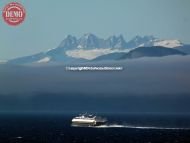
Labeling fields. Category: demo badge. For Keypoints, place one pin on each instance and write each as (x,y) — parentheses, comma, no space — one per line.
(14,13)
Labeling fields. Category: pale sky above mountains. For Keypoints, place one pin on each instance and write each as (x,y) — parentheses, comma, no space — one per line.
(48,22)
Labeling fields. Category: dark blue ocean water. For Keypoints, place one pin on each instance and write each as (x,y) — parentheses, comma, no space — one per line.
(121,128)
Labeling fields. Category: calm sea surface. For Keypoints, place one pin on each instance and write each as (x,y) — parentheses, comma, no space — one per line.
(120,128)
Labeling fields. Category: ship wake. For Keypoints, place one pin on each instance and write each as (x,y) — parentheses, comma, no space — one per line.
(138,127)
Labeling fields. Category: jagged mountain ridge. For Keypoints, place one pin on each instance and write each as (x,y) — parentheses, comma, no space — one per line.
(89,47)
(88,41)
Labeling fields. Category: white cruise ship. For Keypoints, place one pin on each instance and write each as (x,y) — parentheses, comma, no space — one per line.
(90,120)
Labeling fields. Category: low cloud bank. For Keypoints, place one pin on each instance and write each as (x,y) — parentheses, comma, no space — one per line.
(149,84)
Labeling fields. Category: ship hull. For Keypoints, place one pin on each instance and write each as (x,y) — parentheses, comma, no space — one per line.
(85,124)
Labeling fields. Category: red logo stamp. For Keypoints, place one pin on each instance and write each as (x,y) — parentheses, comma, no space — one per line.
(14,13)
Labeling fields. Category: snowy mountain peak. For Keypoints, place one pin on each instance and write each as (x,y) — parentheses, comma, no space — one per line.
(139,41)
(89,47)
(168,43)
(120,42)
(89,41)
(116,42)
(69,41)
(112,38)
(148,41)
(120,37)
(89,36)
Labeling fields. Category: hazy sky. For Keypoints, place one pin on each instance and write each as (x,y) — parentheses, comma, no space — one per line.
(48,22)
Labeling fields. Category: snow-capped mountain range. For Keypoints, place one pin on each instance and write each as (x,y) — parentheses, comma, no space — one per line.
(89,47)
